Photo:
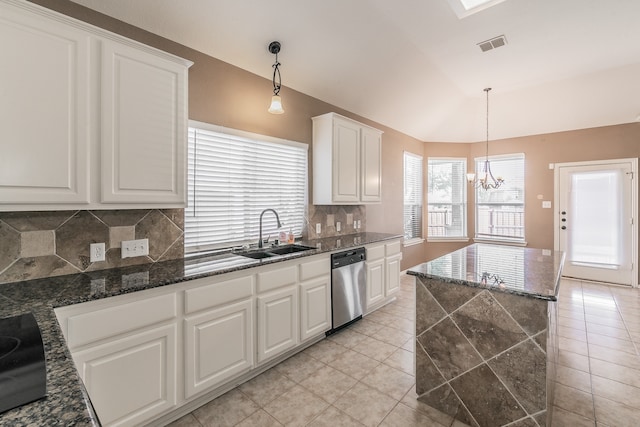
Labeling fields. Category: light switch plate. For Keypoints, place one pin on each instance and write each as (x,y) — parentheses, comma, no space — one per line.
(546,204)
(134,248)
(338,226)
(318,228)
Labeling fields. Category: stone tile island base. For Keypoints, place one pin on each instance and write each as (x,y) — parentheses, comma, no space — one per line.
(484,357)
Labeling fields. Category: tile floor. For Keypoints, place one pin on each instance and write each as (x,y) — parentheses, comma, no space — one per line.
(363,375)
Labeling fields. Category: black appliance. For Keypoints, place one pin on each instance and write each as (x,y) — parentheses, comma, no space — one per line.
(23,373)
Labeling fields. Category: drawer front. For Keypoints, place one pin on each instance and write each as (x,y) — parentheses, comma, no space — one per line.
(274,279)
(215,294)
(393,248)
(110,321)
(316,268)
(375,252)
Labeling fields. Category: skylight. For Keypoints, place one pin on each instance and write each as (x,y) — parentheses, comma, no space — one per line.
(464,8)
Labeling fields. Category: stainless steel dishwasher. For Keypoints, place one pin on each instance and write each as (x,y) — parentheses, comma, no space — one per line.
(348,283)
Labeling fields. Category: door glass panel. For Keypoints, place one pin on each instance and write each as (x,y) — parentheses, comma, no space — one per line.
(596,218)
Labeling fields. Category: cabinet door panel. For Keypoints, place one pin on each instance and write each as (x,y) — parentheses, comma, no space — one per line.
(277,323)
(346,162)
(392,271)
(371,166)
(375,282)
(315,307)
(132,379)
(219,345)
(143,127)
(44,113)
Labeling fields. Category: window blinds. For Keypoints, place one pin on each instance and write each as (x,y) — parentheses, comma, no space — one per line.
(412,196)
(500,213)
(233,176)
(447,197)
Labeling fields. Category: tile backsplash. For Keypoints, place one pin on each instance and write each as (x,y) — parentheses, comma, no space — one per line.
(35,245)
(328,216)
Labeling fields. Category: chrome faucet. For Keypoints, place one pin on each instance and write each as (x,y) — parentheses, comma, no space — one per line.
(277,219)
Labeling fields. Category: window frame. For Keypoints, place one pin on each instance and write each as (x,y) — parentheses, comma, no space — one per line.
(515,241)
(194,248)
(464,237)
(413,240)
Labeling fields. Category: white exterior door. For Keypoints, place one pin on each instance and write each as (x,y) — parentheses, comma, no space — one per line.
(596,204)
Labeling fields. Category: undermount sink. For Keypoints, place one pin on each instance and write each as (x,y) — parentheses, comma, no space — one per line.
(278,250)
(289,249)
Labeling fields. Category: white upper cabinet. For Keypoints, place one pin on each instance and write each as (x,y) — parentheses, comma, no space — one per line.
(144,126)
(44,111)
(91,120)
(347,167)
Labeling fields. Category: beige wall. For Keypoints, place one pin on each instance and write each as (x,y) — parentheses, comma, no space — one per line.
(225,95)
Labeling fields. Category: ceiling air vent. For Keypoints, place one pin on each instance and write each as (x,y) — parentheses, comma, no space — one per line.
(493,43)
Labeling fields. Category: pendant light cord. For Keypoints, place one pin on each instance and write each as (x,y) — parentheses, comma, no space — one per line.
(487,145)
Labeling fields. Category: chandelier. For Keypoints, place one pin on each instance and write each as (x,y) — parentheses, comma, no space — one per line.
(488,181)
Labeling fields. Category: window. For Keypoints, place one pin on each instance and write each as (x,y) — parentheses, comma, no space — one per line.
(447,198)
(412,198)
(500,212)
(233,177)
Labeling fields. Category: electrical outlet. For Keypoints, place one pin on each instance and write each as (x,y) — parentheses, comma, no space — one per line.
(134,248)
(318,228)
(338,226)
(96,252)
(356,224)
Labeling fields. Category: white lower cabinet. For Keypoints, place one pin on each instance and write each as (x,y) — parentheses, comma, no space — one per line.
(383,267)
(392,274)
(375,283)
(277,322)
(135,351)
(131,379)
(315,307)
(218,346)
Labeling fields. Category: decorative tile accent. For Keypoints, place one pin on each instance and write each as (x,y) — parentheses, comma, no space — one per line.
(37,243)
(486,398)
(29,268)
(427,375)
(73,246)
(531,314)
(444,399)
(487,326)
(160,231)
(119,234)
(449,297)
(121,218)
(478,364)
(46,244)
(430,311)
(522,369)
(449,349)
(35,221)
(10,248)
(329,215)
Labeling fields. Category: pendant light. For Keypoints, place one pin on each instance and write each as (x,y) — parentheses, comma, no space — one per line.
(276,101)
(488,181)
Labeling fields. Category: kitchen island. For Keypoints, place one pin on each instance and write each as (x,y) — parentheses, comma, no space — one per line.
(486,341)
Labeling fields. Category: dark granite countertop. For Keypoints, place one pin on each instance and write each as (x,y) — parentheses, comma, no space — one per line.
(67,403)
(523,271)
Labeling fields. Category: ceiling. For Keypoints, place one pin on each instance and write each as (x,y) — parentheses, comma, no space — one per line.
(414,66)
